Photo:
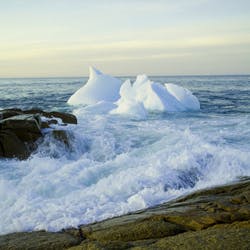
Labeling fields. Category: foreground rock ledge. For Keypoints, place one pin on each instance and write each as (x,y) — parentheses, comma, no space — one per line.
(217,218)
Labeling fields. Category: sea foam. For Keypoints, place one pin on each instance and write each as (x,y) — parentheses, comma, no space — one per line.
(117,165)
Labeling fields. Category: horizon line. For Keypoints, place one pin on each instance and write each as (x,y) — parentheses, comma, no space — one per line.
(160,75)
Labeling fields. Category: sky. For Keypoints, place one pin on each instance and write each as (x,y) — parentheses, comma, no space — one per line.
(44,38)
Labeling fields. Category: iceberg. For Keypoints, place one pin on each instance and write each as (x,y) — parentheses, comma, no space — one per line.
(127,104)
(99,87)
(145,95)
(184,96)
(137,99)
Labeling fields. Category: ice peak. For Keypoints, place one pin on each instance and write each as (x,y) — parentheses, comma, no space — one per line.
(93,72)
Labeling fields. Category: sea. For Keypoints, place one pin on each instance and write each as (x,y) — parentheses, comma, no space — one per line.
(119,164)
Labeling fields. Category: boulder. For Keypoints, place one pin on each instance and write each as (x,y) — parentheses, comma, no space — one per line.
(11,146)
(20,130)
(25,127)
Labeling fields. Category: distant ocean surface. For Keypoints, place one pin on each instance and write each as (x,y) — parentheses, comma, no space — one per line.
(120,164)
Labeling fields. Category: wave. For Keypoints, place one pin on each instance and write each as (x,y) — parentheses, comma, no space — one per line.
(116,165)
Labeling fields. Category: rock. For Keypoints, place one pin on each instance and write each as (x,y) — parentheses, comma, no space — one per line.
(38,240)
(11,146)
(25,127)
(20,130)
(6,113)
(195,217)
(154,227)
(62,136)
(18,135)
(219,237)
(46,124)
(65,117)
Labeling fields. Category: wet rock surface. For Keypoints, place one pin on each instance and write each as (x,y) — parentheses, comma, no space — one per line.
(216,218)
(20,130)
(38,240)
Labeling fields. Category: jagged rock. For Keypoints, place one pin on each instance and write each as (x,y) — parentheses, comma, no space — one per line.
(20,130)
(18,135)
(25,127)
(65,117)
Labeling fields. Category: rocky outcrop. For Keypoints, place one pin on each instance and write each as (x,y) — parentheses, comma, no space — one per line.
(65,117)
(217,218)
(20,130)
(38,240)
(11,146)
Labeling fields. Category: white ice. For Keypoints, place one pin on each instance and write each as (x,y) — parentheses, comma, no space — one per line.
(99,87)
(127,104)
(133,99)
(145,95)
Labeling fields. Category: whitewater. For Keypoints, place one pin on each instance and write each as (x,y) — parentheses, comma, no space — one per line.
(138,143)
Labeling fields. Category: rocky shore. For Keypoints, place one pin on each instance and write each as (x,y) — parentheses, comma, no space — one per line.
(21,131)
(216,218)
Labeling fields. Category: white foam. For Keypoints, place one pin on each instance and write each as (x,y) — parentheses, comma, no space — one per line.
(117,165)
(99,87)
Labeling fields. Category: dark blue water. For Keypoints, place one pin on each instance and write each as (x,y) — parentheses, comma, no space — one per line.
(217,94)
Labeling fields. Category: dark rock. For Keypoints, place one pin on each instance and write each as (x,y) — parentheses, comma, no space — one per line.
(62,136)
(66,118)
(6,113)
(11,146)
(20,130)
(46,124)
(25,127)
(18,135)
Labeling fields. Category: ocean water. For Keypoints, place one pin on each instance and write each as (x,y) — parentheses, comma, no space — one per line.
(120,164)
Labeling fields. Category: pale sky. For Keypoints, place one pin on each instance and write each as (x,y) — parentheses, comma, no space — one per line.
(42,38)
